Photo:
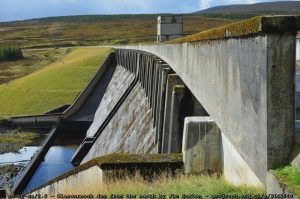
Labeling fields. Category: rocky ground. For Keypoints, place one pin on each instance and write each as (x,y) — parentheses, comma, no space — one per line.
(6,147)
(9,174)
(12,140)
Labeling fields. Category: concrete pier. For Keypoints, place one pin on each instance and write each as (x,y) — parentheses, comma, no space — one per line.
(176,119)
(172,81)
(201,146)
(164,71)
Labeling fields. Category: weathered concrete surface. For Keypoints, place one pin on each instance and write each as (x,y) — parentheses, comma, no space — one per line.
(172,80)
(183,104)
(235,169)
(120,81)
(298,47)
(246,85)
(176,119)
(201,147)
(129,131)
(164,71)
(80,181)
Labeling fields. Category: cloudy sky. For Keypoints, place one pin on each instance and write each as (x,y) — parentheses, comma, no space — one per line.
(27,9)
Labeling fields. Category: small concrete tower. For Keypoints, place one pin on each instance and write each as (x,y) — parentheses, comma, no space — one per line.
(169,27)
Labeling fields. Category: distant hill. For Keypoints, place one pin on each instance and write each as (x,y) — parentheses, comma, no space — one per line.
(280,7)
(92,30)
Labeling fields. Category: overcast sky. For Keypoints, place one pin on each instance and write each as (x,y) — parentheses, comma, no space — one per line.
(27,9)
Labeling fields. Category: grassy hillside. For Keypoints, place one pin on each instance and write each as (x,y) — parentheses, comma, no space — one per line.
(242,11)
(33,60)
(277,7)
(93,30)
(57,84)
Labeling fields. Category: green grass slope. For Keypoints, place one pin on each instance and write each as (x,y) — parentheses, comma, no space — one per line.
(33,60)
(193,186)
(55,85)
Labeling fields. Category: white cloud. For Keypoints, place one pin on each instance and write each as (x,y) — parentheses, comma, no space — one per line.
(205,4)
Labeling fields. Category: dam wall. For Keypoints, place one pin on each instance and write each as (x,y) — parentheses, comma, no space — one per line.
(243,75)
(239,83)
(120,81)
(138,113)
(129,130)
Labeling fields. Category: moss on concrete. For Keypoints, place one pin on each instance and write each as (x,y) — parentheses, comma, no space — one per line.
(256,25)
(289,176)
(139,158)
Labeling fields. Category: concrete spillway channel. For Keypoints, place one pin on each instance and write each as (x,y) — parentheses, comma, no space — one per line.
(69,122)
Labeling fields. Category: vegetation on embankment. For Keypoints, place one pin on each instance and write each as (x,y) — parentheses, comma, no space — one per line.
(55,85)
(290,177)
(14,141)
(8,53)
(33,60)
(20,137)
(94,30)
(181,184)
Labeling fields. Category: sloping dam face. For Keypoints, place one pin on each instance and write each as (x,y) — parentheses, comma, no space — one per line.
(130,130)
(124,121)
(134,115)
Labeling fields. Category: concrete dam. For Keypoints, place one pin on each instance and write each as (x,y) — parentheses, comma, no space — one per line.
(220,101)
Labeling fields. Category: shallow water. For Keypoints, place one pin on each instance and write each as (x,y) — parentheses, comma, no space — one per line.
(57,161)
(24,155)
